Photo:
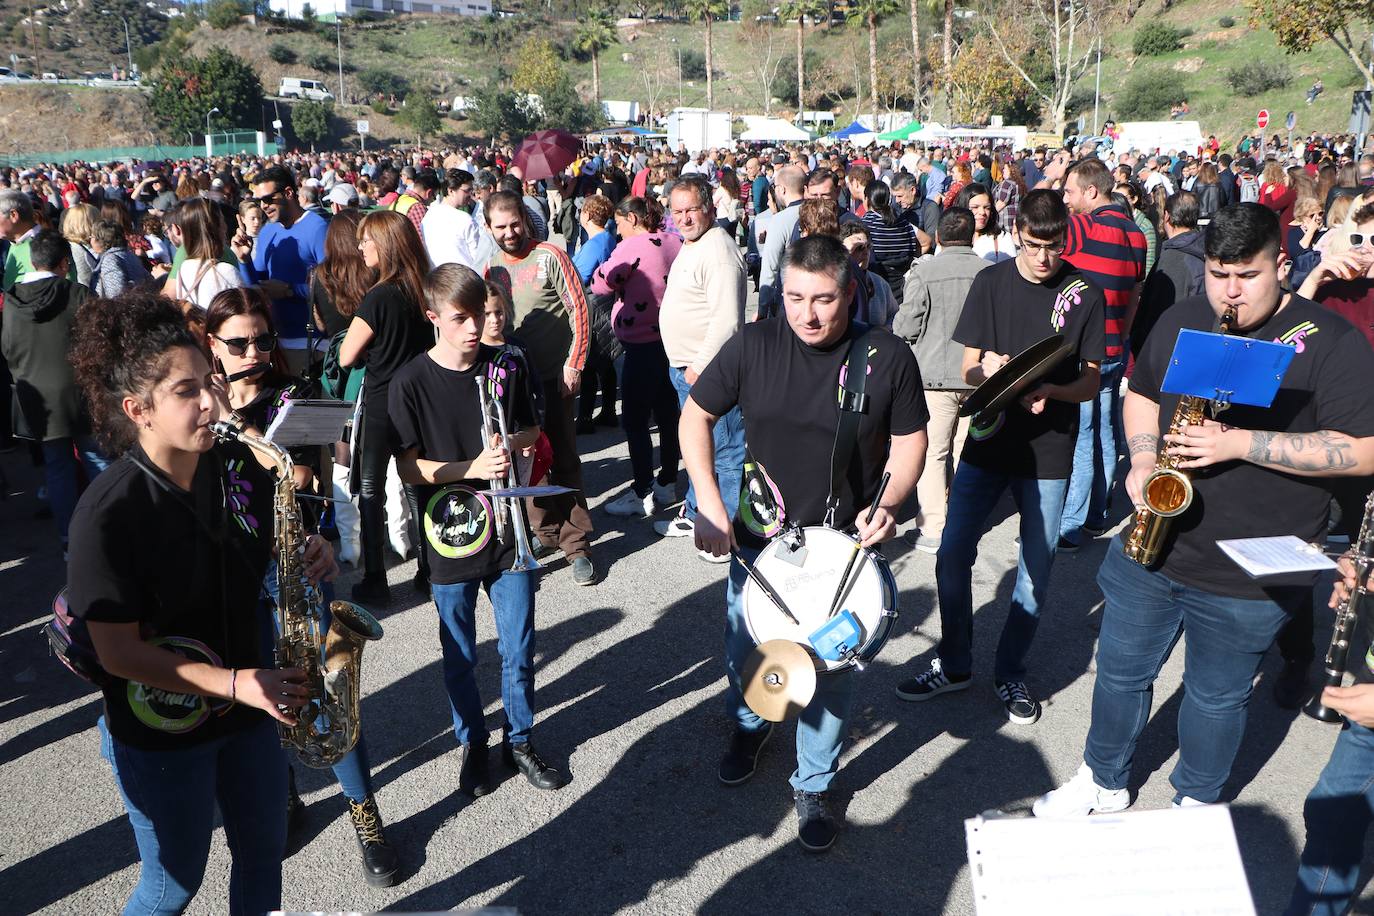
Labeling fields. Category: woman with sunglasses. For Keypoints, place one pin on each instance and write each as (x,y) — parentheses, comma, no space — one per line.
(1344,280)
(244,347)
(387,331)
(168,554)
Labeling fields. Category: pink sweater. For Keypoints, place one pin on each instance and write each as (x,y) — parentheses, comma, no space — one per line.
(637,272)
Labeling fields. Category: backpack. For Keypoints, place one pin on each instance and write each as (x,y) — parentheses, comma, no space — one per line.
(70,640)
(337,381)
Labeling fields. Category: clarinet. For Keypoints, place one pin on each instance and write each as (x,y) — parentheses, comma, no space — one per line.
(1343,629)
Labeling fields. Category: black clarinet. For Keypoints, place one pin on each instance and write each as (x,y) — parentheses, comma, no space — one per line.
(1343,629)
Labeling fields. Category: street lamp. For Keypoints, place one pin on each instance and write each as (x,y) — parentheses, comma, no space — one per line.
(679,70)
(212,111)
(128,45)
(338,38)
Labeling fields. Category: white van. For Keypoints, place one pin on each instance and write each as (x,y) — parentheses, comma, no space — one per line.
(314,90)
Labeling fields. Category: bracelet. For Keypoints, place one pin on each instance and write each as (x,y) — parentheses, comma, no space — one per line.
(233,685)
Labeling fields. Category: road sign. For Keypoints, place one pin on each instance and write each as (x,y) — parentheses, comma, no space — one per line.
(1291,120)
(364,127)
(277,123)
(1262,119)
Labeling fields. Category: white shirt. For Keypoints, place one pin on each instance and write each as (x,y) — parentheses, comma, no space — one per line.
(451,236)
(200,284)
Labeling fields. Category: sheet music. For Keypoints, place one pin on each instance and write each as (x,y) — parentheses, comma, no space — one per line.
(1275,556)
(1177,862)
(310,422)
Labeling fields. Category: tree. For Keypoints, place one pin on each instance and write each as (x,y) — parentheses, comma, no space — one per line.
(186,87)
(321,62)
(981,83)
(594,35)
(802,10)
(767,52)
(497,112)
(869,12)
(1070,31)
(536,67)
(281,54)
(224,14)
(310,121)
(380,81)
(915,52)
(1299,27)
(707,11)
(420,116)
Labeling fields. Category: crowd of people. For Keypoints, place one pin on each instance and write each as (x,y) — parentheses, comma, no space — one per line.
(144,302)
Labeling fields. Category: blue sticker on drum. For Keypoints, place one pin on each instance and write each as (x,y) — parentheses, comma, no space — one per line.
(760,503)
(458,522)
(838,638)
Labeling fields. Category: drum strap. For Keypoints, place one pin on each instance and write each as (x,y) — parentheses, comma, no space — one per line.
(853,405)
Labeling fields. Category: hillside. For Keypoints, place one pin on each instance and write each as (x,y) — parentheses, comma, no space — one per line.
(447,57)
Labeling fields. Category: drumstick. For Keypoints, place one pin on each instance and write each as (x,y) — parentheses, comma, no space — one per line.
(762,583)
(854,556)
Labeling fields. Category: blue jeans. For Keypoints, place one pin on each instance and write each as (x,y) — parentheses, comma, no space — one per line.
(512,599)
(821,727)
(646,390)
(729,447)
(354,770)
(1338,813)
(1094,457)
(973,494)
(59,472)
(1145,615)
(171,797)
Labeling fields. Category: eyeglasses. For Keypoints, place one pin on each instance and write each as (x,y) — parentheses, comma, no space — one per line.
(237,346)
(1053,248)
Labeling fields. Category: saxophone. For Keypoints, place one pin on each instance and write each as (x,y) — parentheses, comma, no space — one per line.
(1343,629)
(1168,491)
(328,725)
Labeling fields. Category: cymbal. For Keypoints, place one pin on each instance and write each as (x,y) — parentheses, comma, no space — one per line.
(779,679)
(1017,376)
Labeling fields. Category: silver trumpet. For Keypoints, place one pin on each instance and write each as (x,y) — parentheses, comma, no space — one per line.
(510,511)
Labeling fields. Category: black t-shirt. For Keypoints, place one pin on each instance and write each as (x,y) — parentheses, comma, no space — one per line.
(1006,313)
(1326,387)
(436,410)
(186,567)
(788,393)
(400,331)
(334,321)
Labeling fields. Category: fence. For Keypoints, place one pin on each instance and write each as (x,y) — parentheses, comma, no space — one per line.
(223,143)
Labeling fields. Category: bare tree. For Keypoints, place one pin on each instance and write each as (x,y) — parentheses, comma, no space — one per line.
(768,53)
(1070,30)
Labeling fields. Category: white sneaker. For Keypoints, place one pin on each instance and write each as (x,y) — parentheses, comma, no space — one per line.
(665,494)
(1189,803)
(712,558)
(1080,797)
(678,527)
(349,551)
(631,505)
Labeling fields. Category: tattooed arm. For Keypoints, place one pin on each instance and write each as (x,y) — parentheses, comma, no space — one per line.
(1140,416)
(1323,453)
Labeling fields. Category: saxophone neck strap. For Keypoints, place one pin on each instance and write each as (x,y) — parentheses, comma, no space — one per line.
(853,405)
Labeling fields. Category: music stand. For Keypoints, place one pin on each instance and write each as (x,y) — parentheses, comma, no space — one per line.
(1227,369)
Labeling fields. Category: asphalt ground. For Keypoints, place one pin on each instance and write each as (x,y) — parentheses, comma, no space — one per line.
(629,676)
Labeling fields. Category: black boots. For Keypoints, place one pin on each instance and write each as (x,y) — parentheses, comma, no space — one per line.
(523,758)
(380,863)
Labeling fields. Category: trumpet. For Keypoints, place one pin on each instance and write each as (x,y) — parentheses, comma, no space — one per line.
(510,511)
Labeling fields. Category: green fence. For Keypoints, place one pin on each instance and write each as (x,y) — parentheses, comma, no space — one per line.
(224,143)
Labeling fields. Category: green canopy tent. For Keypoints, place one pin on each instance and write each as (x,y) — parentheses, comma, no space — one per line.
(901,133)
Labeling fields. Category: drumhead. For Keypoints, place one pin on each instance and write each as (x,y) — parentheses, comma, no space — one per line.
(806,581)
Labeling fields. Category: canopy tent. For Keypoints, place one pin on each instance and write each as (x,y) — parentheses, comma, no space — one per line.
(846,133)
(629,131)
(901,133)
(773,130)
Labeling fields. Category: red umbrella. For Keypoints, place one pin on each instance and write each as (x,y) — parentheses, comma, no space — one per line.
(546,153)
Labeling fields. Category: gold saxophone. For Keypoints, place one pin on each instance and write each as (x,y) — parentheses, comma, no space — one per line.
(1168,491)
(327,727)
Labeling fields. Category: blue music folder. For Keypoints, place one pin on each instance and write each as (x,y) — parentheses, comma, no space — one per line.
(1225,368)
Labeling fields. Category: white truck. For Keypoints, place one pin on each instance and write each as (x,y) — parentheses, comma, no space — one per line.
(697,129)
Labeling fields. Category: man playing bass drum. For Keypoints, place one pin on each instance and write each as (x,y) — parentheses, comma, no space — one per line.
(1256,473)
(785,375)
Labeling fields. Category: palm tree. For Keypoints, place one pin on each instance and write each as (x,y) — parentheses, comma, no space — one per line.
(915,58)
(595,34)
(707,11)
(801,10)
(869,12)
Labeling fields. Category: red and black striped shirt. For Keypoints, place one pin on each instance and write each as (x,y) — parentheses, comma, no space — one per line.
(1109,249)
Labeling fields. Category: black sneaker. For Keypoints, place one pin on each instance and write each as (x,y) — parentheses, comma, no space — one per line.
(584,573)
(380,863)
(474,778)
(543,551)
(295,808)
(523,758)
(421,583)
(930,683)
(372,592)
(1290,689)
(1066,546)
(815,827)
(1022,708)
(739,762)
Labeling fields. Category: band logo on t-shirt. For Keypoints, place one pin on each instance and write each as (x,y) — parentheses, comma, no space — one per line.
(166,710)
(458,521)
(1065,300)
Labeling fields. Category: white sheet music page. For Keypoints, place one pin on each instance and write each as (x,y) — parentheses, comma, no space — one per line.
(309,422)
(1178,862)
(1275,556)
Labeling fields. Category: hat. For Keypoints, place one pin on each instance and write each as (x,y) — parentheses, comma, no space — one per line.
(345,195)
(589,168)
(311,183)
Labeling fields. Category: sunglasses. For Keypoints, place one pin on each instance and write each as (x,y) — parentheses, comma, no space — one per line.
(237,346)
(1359,239)
(274,197)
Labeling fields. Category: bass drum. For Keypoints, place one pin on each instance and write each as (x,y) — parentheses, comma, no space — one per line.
(805,577)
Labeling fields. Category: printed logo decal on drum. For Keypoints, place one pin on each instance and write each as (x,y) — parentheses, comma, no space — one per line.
(1064,302)
(166,710)
(1297,336)
(982,427)
(805,581)
(760,503)
(457,522)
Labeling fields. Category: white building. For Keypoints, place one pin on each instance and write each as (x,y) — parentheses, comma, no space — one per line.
(328,9)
